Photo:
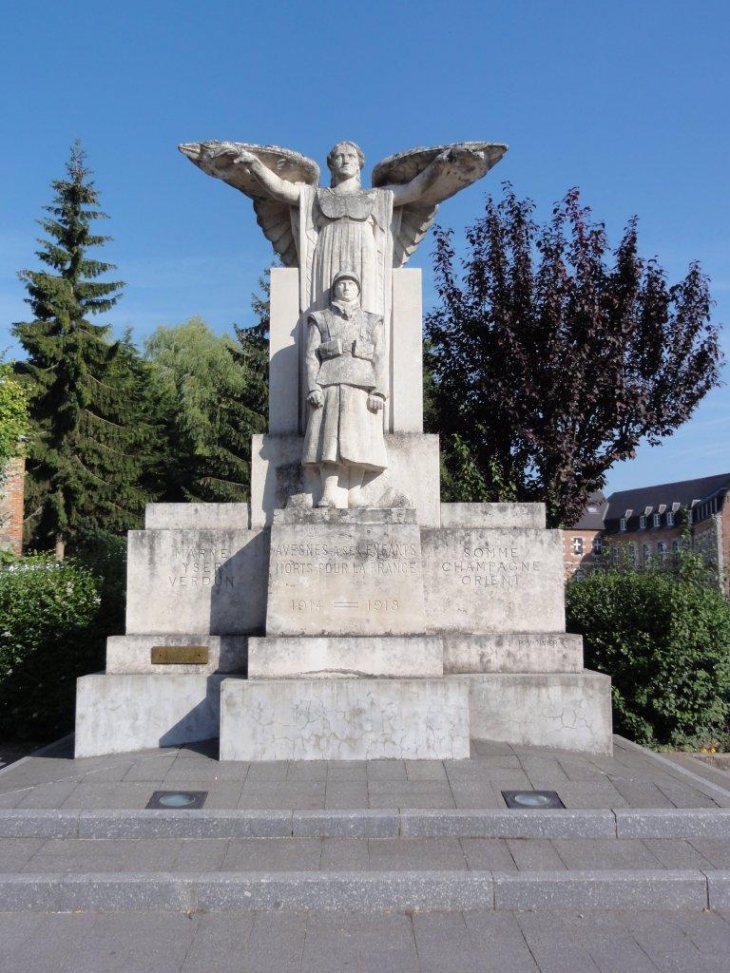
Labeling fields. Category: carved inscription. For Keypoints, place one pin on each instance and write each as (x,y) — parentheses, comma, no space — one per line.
(488,567)
(353,581)
(202,568)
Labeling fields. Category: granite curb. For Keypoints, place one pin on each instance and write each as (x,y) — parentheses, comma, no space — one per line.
(442,891)
(385,823)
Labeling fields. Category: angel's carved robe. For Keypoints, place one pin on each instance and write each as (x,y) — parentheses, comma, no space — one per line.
(345,230)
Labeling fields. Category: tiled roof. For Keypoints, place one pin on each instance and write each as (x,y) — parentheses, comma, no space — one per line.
(682,492)
(593,515)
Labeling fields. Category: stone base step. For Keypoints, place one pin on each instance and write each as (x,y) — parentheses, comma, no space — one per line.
(622,823)
(366,892)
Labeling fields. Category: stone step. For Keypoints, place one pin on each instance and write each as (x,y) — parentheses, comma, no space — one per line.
(366,892)
(620,823)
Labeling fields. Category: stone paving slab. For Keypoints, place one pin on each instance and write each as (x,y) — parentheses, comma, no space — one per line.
(632,779)
(473,941)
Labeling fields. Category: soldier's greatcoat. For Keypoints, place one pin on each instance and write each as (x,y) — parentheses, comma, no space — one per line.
(344,360)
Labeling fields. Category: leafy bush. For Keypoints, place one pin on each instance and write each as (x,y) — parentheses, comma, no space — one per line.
(54,619)
(664,638)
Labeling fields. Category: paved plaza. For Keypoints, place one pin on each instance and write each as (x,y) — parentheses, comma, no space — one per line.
(366,865)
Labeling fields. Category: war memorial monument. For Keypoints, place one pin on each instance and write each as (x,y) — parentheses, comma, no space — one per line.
(345,612)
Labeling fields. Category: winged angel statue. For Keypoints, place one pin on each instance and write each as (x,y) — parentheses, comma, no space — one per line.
(325,230)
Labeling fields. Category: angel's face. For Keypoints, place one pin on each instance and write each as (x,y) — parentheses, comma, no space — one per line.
(344,161)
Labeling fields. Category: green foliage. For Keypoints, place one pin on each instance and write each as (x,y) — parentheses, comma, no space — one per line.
(90,442)
(52,621)
(13,418)
(663,636)
(552,357)
(213,391)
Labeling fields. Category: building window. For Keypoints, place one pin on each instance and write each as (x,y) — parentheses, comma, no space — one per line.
(661,550)
(632,554)
(642,523)
(622,524)
(577,545)
(670,519)
(646,553)
(656,520)
(598,544)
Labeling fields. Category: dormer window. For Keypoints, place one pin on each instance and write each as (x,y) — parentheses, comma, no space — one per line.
(642,522)
(622,524)
(656,520)
(670,518)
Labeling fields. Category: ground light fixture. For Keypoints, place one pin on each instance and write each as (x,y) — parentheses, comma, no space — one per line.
(176,800)
(532,800)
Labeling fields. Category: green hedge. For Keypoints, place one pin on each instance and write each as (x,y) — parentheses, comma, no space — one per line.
(54,620)
(664,638)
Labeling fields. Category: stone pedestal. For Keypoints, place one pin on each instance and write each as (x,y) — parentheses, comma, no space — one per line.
(400,628)
(345,719)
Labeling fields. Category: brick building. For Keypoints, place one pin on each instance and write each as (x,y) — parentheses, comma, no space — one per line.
(648,523)
(583,542)
(11,507)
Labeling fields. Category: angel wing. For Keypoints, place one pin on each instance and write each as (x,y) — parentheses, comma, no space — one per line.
(465,163)
(220,160)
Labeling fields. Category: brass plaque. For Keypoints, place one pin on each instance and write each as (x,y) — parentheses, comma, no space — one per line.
(179,655)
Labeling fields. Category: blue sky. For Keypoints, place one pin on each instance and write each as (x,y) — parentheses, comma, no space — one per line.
(627,100)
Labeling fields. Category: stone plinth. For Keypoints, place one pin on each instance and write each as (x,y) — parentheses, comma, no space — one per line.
(119,713)
(197,516)
(132,653)
(183,581)
(345,572)
(411,480)
(490,580)
(336,658)
(345,719)
(517,652)
(569,711)
(499,515)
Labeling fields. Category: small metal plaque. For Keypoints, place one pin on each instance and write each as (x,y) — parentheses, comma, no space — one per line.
(532,800)
(176,800)
(179,655)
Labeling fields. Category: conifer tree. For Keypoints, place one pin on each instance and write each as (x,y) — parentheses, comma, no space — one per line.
(88,438)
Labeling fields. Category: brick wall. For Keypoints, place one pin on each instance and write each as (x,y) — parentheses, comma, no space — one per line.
(579,550)
(11,507)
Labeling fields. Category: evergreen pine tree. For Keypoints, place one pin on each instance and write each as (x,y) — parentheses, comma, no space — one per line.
(87,451)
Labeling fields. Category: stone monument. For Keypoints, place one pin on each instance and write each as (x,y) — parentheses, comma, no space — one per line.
(345,613)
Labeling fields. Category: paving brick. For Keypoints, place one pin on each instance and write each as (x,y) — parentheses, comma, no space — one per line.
(677,853)
(344,855)
(80,855)
(487,854)
(386,770)
(498,937)
(299,795)
(346,770)
(606,854)
(125,943)
(403,794)
(415,854)
(534,854)
(307,770)
(272,855)
(359,943)
(420,770)
(346,794)
(16,852)
(221,943)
